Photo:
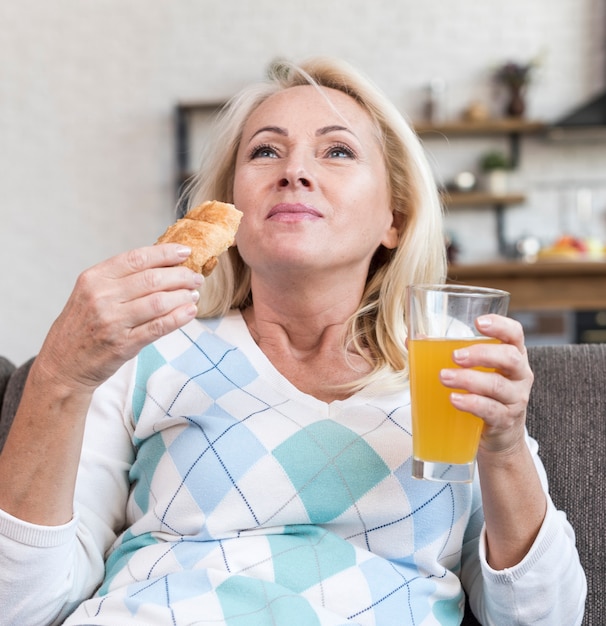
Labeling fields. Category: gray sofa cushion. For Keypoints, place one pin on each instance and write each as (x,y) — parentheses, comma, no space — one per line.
(567,416)
(6,369)
(10,399)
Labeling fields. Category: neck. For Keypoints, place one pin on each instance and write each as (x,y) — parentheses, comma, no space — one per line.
(307,349)
(302,332)
(308,313)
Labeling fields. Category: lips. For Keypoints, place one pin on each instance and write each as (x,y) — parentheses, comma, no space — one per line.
(297,211)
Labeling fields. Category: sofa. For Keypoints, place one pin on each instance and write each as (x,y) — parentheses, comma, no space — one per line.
(566,414)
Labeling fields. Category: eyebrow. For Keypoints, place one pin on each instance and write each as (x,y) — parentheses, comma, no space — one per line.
(325,130)
(272,129)
(330,129)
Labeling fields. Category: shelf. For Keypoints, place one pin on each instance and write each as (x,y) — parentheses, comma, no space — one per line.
(498,126)
(501,268)
(544,285)
(480,198)
(511,127)
(200,105)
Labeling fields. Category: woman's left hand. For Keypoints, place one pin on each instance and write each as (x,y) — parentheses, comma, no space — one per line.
(513,499)
(500,396)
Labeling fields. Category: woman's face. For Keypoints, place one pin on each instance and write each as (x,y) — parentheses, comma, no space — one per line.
(311,181)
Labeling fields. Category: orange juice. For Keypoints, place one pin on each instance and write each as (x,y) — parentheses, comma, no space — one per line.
(441,433)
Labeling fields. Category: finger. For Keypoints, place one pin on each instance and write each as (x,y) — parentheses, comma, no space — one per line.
(157,327)
(158,304)
(503,429)
(140,259)
(506,359)
(508,330)
(490,385)
(157,279)
(489,409)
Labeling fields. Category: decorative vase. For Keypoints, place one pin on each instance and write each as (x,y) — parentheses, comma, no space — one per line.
(497,182)
(517,104)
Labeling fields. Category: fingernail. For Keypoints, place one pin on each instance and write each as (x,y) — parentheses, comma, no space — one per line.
(456,397)
(191,311)
(195,295)
(484,321)
(198,279)
(183,251)
(461,354)
(446,376)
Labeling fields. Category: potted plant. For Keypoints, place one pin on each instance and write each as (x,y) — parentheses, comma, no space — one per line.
(515,77)
(495,166)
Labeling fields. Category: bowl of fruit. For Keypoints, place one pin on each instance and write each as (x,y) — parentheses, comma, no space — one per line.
(570,248)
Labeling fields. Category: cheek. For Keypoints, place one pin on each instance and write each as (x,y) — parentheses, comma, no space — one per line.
(238,192)
(242,183)
(375,203)
(248,234)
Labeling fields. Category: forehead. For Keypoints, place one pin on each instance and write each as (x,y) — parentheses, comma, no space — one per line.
(307,104)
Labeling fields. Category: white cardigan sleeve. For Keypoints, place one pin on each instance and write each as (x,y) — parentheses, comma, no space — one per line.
(547,587)
(46,571)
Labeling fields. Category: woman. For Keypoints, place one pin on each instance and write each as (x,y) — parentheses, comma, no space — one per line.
(252,466)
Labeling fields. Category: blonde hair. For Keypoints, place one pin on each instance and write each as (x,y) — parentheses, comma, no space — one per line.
(377,330)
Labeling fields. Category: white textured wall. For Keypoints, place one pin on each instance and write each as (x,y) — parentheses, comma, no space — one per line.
(87,91)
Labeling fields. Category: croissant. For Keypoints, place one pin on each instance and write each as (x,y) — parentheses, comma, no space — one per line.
(208,229)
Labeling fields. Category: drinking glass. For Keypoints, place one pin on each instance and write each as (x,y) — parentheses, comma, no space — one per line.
(441,319)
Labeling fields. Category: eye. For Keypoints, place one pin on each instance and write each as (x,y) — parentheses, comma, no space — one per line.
(263,151)
(340,151)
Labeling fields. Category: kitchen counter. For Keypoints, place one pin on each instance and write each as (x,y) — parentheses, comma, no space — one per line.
(545,285)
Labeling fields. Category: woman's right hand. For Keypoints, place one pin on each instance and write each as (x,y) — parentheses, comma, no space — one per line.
(116,308)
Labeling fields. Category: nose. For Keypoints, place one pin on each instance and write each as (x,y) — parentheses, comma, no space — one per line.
(296,173)
(295,181)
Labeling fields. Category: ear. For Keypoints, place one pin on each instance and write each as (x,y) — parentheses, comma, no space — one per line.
(391,238)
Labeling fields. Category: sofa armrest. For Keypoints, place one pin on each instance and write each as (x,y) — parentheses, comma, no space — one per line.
(11,398)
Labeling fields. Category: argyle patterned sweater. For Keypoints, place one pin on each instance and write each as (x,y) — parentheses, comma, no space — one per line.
(212,491)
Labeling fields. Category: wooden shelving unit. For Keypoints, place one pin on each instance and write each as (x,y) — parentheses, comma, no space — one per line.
(480,198)
(492,126)
(511,128)
(483,199)
(185,113)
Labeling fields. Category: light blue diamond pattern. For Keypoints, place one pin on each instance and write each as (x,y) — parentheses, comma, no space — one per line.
(206,366)
(250,602)
(148,361)
(213,454)
(305,555)
(429,501)
(331,467)
(167,590)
